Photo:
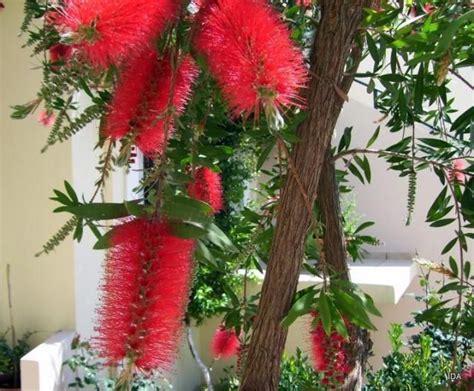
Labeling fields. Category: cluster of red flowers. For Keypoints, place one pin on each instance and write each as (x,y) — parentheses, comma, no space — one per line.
(225,343)
(456,174)
(145,292)
(251,56)
(143,97)
(249,52)
(207,187)
(106,31)
(330,356)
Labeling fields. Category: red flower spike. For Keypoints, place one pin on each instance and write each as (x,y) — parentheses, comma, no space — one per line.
(304,3)
(140,102)
(207,187)
(59,52)
(329,354)
(225,343)
(144,295)
(107,31)
(249,52)
(456,173)
(46,119)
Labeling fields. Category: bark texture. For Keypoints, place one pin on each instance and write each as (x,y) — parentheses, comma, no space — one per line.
(339,23)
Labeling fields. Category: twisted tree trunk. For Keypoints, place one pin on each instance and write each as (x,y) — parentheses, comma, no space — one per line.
(339,23)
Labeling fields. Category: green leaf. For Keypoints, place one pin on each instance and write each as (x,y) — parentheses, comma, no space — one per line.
(453,265)
(353,169)
(61,197)
(345,141)
(449,246)
(264,155)
(177,207)
(365,165)
(438,203)
(373,50)
(217,237)
(300,307)
(324,312)
(452,286)
(435,142)
(105,241)
(419,89)
(363,226)
(188,230)
(99,211)
(135,209)
(463,121)
(353,307)
(374,137)
(442,222)
(70,191)
(467,270)
(449,33)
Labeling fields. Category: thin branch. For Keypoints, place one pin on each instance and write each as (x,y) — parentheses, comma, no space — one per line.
(461,265)
(464,80)
(194,352)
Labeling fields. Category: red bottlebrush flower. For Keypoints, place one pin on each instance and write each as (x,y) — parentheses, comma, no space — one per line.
(429,8)
(140,102)
(60,52)
(456,174)
(329,355)
(225,343)
(304,3)
(46,119)
(249,52)
(207,187)
(107,31)
(144,294)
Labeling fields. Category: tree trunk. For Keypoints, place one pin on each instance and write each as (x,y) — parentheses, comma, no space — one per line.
(335,256)
(339,23)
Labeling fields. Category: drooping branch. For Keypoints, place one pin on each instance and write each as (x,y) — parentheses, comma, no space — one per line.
(195,353)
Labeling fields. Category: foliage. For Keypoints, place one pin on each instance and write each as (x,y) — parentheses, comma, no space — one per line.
(10,359)
(92,373)
(296,375)
(418,369)
(413,61)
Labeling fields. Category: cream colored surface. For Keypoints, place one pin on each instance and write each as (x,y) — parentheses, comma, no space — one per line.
(43,291)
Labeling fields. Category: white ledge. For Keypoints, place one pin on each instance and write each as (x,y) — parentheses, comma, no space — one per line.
(385,277)
(42,369)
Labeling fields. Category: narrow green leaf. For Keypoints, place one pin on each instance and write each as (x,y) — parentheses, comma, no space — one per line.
(448,34)
(449,246)
(419,89)
(374,137)
(264,154)
(324,312)
(435,142)
(467,270)
(177,207)
(300,307)
(135,209)
(353,169)
(363,226)
(188,230)
(442,222)
(99,211)
(105,241)
(453,265)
